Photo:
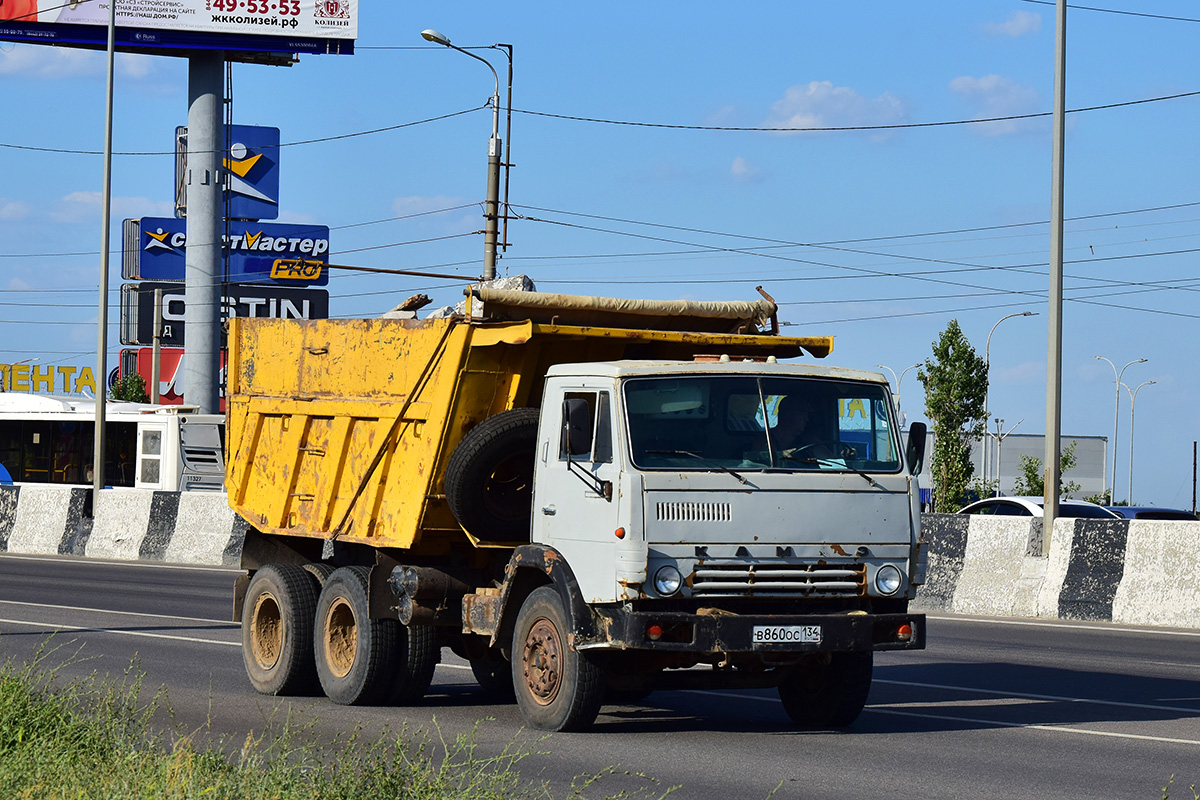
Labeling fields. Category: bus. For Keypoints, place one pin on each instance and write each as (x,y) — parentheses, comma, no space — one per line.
(47,439)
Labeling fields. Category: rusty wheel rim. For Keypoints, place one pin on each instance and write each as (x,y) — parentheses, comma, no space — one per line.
(266,631)
(341,638)
(542,661)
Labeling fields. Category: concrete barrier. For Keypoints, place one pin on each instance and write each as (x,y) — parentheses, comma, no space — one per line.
(128,524)
(1136,572)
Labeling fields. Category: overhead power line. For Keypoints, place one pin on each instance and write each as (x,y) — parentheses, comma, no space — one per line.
(837,128)
(1115,11)
(637,124)
(281,146)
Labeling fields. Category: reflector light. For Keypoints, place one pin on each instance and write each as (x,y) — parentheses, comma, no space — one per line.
(654,632)
(904,632)
(620,533)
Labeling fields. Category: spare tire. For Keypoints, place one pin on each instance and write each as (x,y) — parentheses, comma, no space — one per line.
(489,478)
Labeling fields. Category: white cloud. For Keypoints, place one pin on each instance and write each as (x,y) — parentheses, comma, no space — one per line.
(12,210)
(50,63)
(820,104)
(460,220)
(1029,372)
(1019,24)
(997,96)
(87,206)
(405,206)
(296,218)
(743,171)
(134,65)
(16,284)
(61,63)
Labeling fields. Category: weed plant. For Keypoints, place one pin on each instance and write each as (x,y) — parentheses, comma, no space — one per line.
(95,738)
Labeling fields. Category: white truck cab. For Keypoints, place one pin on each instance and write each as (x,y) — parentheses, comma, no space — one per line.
(682,528)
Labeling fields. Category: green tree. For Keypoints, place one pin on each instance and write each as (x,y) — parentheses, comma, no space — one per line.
(1031,482)
(955,382)
(130,388)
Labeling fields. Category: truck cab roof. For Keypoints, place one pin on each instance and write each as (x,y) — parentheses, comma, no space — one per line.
(647,368)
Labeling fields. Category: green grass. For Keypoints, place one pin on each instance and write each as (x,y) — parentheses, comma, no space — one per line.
(99,738)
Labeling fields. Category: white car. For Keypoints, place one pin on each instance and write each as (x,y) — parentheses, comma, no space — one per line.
(1032,507)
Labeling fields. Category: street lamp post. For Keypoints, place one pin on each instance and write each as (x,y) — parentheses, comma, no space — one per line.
(987,362)
(1116,416)
(898,381)
(1132,399)
(491,209)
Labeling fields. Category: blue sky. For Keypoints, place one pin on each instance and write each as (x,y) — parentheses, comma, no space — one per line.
(878,237)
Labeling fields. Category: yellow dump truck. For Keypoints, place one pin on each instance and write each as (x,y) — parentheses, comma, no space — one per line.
(587,498)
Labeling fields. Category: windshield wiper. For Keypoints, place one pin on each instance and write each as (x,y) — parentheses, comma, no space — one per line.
(698,456)
(836,462)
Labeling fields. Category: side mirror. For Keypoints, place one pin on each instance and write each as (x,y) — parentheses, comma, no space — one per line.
(914,452)
(577,427)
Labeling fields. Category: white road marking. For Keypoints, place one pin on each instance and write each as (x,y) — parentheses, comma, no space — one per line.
(118,632)
(994,722)
(1033,726)
(119,563)
(1047,697)
(120,613)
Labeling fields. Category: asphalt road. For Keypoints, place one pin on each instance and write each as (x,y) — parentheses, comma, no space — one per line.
(993,708)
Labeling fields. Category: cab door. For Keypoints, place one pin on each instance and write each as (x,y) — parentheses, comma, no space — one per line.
(576,505)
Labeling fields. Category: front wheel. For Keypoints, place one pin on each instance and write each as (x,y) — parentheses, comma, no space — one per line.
(827,692)
(558,688)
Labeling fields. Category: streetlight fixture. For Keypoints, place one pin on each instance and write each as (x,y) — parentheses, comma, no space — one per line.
(495,145)
(987,362)
(1132,399)
(898,380)
(1116,416)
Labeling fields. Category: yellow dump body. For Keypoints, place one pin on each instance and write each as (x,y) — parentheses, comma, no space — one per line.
(342,428)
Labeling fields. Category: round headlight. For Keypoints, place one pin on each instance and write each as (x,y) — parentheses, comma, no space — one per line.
(888,579)
(667,580)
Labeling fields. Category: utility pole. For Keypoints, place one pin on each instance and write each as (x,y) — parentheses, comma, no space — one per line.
(1054,346)
(205,231)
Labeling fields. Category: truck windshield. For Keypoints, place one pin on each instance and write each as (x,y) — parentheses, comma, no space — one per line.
(745,423)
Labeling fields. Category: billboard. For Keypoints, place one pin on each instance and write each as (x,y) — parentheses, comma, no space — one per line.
(171,371)
(256,252)
(260,300)
(251,172)
(279,26)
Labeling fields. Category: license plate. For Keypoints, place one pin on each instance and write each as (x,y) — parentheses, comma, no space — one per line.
(786,634)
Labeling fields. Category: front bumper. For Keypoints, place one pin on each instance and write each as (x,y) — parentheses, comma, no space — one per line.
(727,632)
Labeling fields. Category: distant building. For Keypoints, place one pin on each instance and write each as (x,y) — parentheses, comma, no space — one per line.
(1091,470)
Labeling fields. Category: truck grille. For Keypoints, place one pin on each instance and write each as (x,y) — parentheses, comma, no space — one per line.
(737,579)
(694,512)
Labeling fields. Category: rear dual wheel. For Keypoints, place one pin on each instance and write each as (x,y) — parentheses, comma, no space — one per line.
(363,661)
(277,630)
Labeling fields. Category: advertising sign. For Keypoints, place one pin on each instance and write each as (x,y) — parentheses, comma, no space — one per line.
(278,302)
(154,250)
(251,169)
(282,26)
(46,378)
(170,376)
